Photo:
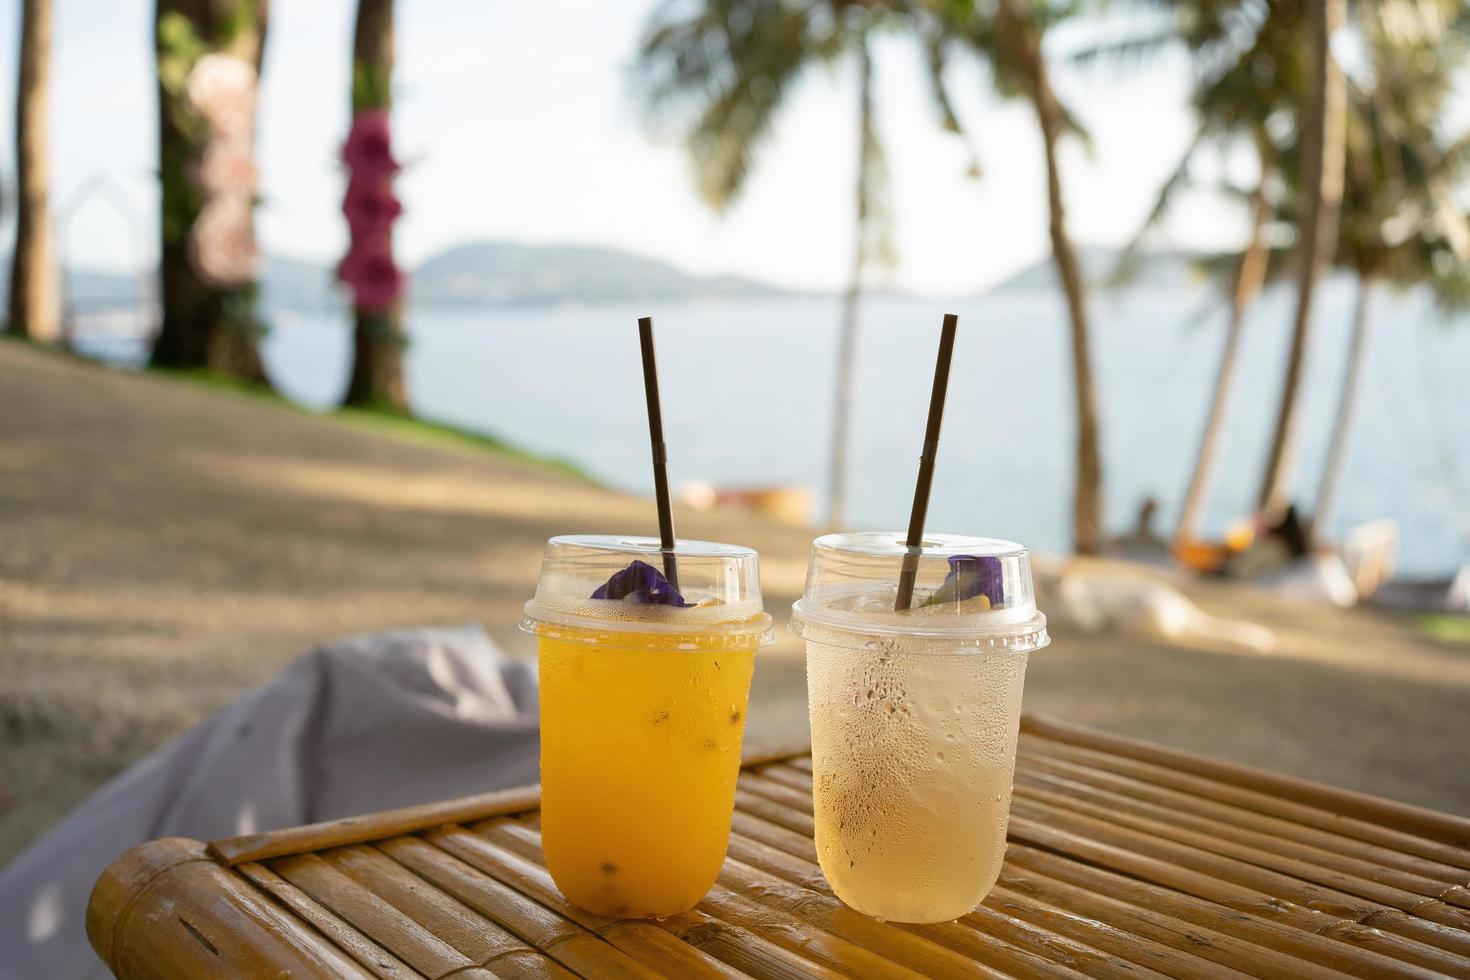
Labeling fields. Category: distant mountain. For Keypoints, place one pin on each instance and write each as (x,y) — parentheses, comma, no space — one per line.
(1156,270)
(286,284)
(478,274)
(300,286)
(487,274)
(505,273)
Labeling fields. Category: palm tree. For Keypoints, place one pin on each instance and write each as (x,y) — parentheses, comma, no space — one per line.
(1323,153)
(34,305)
(1251,268)
(1248,72)
(728,65)
(209,56)
(1009,39)
(1399,226)
(378,336)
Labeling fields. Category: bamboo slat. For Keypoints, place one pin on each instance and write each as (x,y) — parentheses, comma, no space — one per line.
(163,911)
(356,830)
(478,938)
(1452,880)
(818,915)
(1357,878)
(1392,932)
(1415,820)
(569,944)
(643,941)
(1126,860)
(733,944)
(372,957)
(408,940)
(1002,938)
(1108,905)
(1248,798)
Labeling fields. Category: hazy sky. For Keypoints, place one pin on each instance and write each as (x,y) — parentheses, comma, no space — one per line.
(518,123)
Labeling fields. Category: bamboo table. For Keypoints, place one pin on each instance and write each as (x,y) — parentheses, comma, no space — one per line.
(1125,860)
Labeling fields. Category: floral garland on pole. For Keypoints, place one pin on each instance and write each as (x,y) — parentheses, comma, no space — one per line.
(371,207)
(208,175)
(221,91)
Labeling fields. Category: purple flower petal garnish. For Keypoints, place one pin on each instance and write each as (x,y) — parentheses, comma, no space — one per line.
(969,576)
(641,582)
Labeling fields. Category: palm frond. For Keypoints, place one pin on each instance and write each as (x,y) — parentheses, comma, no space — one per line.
(1127,53)
(1454,159)
(1073,124)
(936,59)
(936,50)
(721,73)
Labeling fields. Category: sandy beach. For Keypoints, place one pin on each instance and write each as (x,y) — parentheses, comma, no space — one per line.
(165,545)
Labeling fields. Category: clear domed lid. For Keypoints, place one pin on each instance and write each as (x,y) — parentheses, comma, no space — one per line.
(975,591)
(612,582)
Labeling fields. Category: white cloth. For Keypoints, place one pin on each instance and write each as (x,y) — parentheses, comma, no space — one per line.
(362,724)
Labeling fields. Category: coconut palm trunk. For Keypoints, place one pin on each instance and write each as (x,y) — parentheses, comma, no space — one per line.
(34,301)
(1024,39)
(1250,273)
(1324,152)
(1346,400)
(852,297)
(842,397)
(205,325)
(378,338)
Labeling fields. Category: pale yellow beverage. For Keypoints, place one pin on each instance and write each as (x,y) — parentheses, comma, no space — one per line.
(913,755)
(914,715)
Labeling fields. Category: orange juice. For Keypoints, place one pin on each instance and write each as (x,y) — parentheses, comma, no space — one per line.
(640,750)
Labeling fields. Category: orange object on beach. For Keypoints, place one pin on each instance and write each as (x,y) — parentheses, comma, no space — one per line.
(1200,556)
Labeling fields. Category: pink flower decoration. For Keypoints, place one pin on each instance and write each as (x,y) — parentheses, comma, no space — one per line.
(368,151)
(224,167)
(370,207)
(221,88)
(370,272)
(222,246)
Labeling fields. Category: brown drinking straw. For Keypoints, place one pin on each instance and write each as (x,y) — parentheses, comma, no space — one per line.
(915,540)
(660,452)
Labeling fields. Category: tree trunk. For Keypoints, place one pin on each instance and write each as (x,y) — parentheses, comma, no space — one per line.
(1024,41)
(847,336)
(842,404)
(1323,158)
(1249,275)
(203,326)
(378,338)
(1346,400)
(34,285)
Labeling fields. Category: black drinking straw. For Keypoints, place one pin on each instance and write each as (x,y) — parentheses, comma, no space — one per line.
(660,452)
(915,540)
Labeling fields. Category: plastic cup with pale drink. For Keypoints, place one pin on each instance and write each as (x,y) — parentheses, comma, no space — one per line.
(643,700)
(914,716)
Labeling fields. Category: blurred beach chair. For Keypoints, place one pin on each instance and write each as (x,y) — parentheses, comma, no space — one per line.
(1440,595)
(1370,552)
(1322,578)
